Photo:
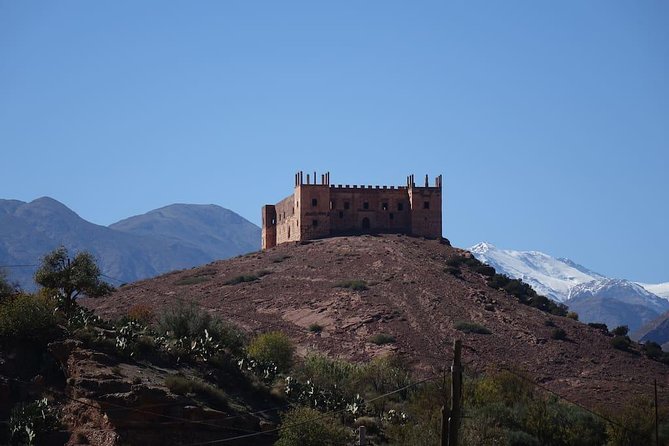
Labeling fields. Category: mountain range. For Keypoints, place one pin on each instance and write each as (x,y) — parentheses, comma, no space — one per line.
(593,296)
(174,237)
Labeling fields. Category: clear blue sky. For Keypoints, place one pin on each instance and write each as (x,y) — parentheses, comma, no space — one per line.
(548,120)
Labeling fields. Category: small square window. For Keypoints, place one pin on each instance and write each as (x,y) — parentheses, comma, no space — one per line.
(365,205)
(426,205)
(384,206)
(314,202)
(347,205)
(400,206)
(315,223)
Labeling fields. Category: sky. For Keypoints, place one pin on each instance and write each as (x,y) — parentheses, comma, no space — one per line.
(548,120)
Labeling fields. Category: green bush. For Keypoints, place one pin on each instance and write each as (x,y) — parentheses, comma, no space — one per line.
(30,422)
(621,343)
(355,285)
(559,334)
(273,347)
(315,328)
(621,330)
(303,426)
(455,271)
(599,326)
(382,338)
(193,280)
(654,351)
(241,279)
(471,327)
(187,320)
(27,317)
(212,395)
(572,315)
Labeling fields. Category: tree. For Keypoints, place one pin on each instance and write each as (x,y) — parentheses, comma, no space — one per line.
(71,277)
(7,289)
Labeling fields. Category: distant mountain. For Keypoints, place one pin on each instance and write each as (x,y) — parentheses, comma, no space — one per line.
(132,252)
(594,297)
(660,289)
(656,330)
(547,275)
(212,229)
(616,302)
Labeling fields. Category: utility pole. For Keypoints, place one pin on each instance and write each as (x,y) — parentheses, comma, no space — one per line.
(456,394)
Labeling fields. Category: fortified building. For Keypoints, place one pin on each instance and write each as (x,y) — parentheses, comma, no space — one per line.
(318,210)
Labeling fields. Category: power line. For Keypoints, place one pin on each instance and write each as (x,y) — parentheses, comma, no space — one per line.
(285,426)
(132,409)
(524,378)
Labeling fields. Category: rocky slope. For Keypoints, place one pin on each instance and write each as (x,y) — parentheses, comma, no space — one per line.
(408,295)
(174,237)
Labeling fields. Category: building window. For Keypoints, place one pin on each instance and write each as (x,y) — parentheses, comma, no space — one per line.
(365,205)
(400,206)
(332,204)
(314,202)
(392,216)
(384,206)
(315,223)
(426,205)
(341,214)
(347,205)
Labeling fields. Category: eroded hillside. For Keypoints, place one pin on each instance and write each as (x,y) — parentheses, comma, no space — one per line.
(358,287)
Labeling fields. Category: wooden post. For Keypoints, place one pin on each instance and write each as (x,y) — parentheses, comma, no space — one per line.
(362,435)
(657,433)
(456,393)
(444,426)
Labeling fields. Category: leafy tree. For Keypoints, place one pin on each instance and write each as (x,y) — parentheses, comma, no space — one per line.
(7,289)
(71,277)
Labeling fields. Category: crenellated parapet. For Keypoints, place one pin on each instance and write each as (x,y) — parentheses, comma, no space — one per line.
(319,209)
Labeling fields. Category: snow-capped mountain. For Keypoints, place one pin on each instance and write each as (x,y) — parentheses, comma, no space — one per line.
(549,276)
(616,302)
(593,296)
(659,289)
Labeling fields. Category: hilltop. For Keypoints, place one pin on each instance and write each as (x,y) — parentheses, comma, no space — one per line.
(400,286)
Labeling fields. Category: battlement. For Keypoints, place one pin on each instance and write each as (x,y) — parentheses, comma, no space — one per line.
(321,209)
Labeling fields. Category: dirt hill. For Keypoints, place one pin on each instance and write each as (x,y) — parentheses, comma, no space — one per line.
(408,295)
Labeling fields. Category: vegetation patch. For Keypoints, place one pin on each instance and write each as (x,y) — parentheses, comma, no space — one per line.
(273,348)
(526,295)
(382,338)
(27,317)
(315,328)
(29,423)
(212,395)
(241,279)
(279,259)
(304,426)
(471,327)
(355,285)
(599,326)
(559,334)
(621,343)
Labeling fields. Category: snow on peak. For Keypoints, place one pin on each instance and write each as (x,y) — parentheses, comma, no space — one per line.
(659,289)
(547,275)
(482,248)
